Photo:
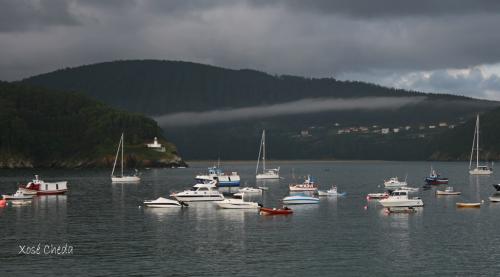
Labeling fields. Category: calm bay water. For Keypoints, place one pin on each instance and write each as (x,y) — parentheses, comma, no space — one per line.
(112,235)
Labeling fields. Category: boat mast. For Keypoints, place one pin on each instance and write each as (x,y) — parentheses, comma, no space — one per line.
(477,143)
(260,151)
(264,151)
(122,142)
(473,144)
(116,159)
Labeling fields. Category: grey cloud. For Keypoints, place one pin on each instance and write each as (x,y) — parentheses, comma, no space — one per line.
(21,15)
(296,107)
(309,38)
(388,8)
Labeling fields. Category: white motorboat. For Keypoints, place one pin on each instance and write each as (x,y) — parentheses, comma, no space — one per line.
(394,183)
(495,197)
(39,187)
(216,173)
(448,191)
(322,193)
(409,189)
(334,192)
(307,185)
(273,173)
(19,195)
(399,198)
(250,190)
(479,169)
(237,202)
(122,178)
(200,192)
(161,202)
(300,199)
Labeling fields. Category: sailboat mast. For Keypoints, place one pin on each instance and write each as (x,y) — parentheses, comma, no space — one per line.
(473,145)
(477,143)
(116,159)
(264,150)
(260,151)
(122,142)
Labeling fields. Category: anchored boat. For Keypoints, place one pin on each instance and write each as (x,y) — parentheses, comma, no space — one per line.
(448,191)
(300,199)
(479,169)
(399,198)
(200,192)
(237,202)
(39,187)
(122,178)
(435,179)
(19,195)
(161,202)
(307,185)
(270,173)
(394,183)
(216,173)
(275,211)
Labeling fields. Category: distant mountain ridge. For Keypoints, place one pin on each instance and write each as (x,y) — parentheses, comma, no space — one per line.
(154,87)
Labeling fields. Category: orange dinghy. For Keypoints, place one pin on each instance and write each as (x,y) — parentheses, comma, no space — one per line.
(468,205)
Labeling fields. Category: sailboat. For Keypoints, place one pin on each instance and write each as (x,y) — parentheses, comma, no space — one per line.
(273,173)
(122,178)
(479,169)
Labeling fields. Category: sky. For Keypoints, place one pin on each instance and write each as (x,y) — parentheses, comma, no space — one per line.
(446,46)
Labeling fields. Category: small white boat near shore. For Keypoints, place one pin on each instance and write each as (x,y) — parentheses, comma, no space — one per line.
(307,185)
(495,197)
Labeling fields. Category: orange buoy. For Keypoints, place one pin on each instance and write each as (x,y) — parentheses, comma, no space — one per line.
(3,203)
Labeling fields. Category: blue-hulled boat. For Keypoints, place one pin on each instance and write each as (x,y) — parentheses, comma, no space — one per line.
(435,179)
(223,180)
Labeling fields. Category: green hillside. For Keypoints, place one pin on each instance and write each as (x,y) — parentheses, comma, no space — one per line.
(155,88)
(47,128)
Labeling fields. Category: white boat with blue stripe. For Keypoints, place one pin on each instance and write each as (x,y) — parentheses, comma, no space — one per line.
(300,199)
(222,179)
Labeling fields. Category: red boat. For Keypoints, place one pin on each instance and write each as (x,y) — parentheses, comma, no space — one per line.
(40,187)
(274,211)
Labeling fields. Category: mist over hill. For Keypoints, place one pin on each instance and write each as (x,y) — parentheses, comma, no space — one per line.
(211,112)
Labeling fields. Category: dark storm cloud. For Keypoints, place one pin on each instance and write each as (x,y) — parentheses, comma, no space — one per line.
(21,15)
(310,38)
(389,8)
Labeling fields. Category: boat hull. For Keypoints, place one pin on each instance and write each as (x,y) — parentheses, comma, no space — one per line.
(126,179)
(440,192)
(244,205)
(12,197)
(494,198)
(468,205)
(266,176)
(476,171)
(401,203)
(300,200)
(200,198)
(271,211)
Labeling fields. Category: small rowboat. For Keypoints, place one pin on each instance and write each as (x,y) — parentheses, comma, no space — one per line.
(468,205)
(448,191)
(274,211)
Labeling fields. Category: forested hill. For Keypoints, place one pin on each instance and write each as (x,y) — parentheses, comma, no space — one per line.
(156,88)
(456,144)
(46,128)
